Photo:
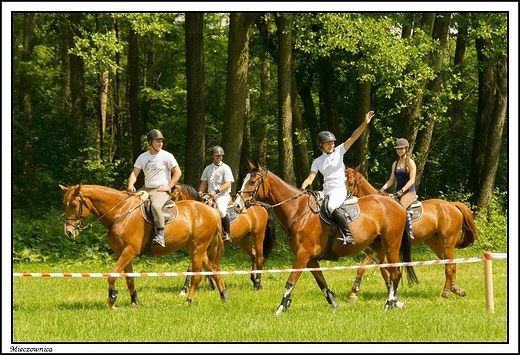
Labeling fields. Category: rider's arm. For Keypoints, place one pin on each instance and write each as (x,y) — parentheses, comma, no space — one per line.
(308,180)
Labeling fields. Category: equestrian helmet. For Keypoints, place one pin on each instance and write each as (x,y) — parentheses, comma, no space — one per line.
(154,134)
(325,136)
(401,143)
(217,150)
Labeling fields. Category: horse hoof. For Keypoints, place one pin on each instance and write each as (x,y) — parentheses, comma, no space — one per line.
(187,303)
(134,304)
(353,298)
(183,293)
(280,310)
(224,296)
(400,305)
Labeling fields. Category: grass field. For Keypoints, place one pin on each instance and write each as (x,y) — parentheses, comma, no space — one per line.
(54,312)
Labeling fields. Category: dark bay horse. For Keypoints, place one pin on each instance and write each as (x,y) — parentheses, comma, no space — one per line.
(255,222)
(380,221)
(196,228)
(438,227)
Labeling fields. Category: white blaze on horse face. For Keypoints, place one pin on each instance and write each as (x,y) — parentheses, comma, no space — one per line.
(239,204)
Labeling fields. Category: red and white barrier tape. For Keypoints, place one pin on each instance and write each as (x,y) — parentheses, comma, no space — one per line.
(244,272)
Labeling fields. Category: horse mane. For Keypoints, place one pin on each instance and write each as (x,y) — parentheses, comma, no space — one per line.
(185,189)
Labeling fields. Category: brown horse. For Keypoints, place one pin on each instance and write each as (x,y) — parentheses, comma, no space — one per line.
(256,223)
(379,221)
(196,228)
(438,227)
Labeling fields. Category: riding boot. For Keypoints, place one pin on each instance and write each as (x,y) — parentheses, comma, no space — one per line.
(159,237)
(226,234)
(342,221)
(409,213)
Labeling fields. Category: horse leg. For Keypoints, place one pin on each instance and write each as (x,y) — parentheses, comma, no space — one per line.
(134,300)
(392,285)
(322,284)
(124,259)
(299,262)
(373,256)
(187,283)
(246,246)
(450,270)
(216,278)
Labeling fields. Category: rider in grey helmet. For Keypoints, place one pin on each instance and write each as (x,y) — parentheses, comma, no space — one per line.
(330,164)
(403,174)
(217,178)
(161,173)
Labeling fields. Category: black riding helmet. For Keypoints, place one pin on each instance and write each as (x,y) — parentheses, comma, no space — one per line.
(217,150)
(154,134)
(325,136)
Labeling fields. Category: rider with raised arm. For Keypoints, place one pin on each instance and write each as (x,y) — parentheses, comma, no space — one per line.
(330,164)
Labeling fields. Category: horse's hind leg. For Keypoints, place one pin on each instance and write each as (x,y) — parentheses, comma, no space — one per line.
(248,248)
(134,300)
(187,283)
(216,278)
(322,284)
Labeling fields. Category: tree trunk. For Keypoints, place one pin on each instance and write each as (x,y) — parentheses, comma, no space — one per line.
(77,75)
(361,148)
(413,112)
(236,86)
(195,125)
(133,97)
(328,98)
(24,140)
(285,148)
(491,151)
(440,33)
(264,103)
(301,156)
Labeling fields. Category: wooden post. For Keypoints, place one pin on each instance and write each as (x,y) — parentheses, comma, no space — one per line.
(488,276)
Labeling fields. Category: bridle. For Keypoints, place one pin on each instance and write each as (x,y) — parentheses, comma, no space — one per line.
(79,220)
(79,223)
(253,194)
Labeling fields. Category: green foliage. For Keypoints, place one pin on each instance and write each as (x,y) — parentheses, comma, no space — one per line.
(44,240)
(493,225)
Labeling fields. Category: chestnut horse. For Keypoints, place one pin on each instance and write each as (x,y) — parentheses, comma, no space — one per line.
(380,221)
(256,223)
(196,228)
(438,228)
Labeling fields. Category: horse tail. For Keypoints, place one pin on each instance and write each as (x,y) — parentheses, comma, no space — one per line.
(469,230)
(270,235)
(406,256)
(216,246)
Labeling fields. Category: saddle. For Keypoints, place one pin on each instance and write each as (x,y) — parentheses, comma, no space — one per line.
(417,210)
(169,210)
(349,207)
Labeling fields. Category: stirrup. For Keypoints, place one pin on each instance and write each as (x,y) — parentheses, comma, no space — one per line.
(159,240)
(346,240)
(226,237)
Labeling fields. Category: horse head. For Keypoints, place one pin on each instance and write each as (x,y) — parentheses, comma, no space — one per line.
(76,210)
(250,191)
(353,181)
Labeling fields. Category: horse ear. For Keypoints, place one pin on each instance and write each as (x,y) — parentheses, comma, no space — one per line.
(63,188)
(357,169)
(249,163)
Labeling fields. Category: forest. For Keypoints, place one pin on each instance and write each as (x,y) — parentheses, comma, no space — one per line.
(88,86)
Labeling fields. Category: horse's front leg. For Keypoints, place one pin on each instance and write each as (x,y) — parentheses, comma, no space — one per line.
(299,262)
(322,284)
(215,278)
(123,261)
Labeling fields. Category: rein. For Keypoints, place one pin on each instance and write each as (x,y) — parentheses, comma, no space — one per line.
(80,226)
(271,207)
